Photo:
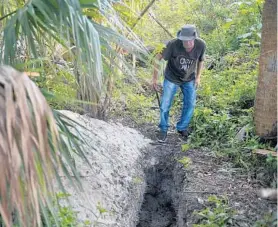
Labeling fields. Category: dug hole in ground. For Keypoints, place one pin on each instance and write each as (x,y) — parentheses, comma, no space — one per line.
(136,182)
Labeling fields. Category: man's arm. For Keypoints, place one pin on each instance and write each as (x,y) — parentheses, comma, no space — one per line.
(200,66)
(157,59)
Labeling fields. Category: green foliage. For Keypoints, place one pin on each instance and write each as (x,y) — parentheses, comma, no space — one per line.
(217,214)
(267,168)
(185,147)
(63,87)
(137,106)
(101,209)
(225,26)
(232,83)
(69,30)
(272,162)
(137,180)
(136,101)
(185,161)
(269,220)
(65,215)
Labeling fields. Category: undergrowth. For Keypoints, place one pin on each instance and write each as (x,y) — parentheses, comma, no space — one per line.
(223,117)
(217,213)
(65,216)
(62,85)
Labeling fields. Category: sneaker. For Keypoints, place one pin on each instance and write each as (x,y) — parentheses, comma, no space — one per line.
(183,133)
(162,136)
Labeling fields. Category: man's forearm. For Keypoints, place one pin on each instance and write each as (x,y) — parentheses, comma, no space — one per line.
(156,66)
(155,70)
(200,66)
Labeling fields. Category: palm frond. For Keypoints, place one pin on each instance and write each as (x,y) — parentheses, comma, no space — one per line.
(63,21)
(34,150)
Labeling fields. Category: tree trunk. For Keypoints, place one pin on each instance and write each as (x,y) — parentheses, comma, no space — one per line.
(266,96)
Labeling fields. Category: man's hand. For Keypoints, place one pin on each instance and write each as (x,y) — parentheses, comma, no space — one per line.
(154,84)
(197,82)
(158,57)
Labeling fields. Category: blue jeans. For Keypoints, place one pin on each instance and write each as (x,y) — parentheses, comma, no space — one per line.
(189,100)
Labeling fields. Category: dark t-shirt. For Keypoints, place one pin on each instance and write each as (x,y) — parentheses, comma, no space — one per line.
(181,66)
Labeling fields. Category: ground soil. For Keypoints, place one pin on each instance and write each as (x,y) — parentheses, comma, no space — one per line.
(174,193)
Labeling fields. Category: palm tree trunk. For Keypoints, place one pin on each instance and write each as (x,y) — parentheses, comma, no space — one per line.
(266,96)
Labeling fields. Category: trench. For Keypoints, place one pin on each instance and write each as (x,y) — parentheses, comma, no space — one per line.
(157,209)
(161,203)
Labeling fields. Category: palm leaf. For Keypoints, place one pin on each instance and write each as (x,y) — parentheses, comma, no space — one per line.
(33,150)
(63,21)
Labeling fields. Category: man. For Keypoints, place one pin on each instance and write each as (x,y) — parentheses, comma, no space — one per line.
(185,56)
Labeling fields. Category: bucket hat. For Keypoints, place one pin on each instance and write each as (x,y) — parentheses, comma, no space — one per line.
(187,33)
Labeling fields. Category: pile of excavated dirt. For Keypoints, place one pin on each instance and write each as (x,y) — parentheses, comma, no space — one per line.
(115,185)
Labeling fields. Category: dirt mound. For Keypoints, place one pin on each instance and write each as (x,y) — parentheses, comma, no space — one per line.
(114,187)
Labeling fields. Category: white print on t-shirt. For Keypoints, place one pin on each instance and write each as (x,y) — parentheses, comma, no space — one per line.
(185,63)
